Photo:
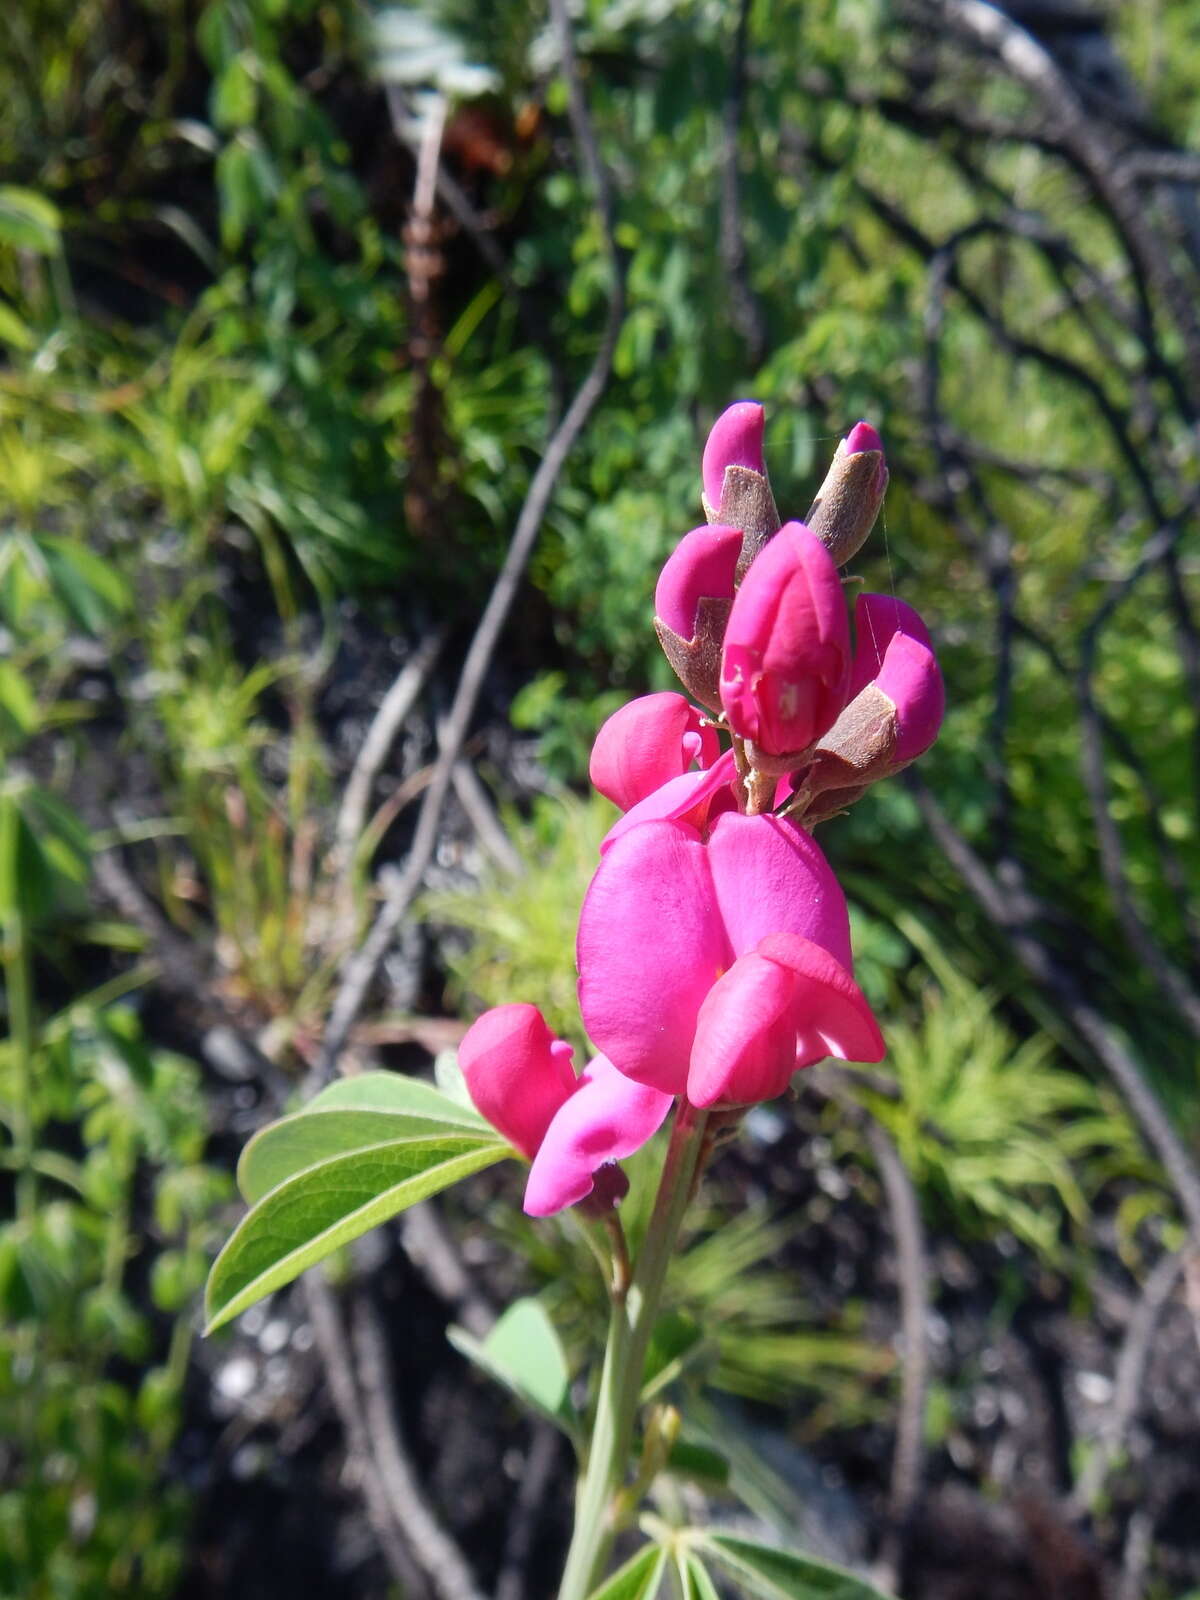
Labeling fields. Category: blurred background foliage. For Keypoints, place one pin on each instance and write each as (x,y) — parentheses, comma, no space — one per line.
(255,436)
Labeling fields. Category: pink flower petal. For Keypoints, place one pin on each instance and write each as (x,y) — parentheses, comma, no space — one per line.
(690,798)
(830,1012)
(771,877)
(651,944)
(745,1049)
(646,743)
(700,567)
(606,1119)
(735,440)
(517,1073)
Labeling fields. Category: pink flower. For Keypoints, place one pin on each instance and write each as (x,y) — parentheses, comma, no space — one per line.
(648,742)
(735,440)
(716,966)
(786,660)
(520,1078)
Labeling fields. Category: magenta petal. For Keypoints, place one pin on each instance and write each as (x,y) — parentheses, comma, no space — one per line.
(830,1012)
(745,1049)
(735,440)
(646,743)
(862,436)
(684,799)
(701,567)
(877,620)
(650,946)
(771,877)
(912,681)
(517,1073)
(606,1119)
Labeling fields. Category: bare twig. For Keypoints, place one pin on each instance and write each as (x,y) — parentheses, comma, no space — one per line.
(1127,1388)
(436,1553)
(359,971)
(912,1273)
(912,1270)
(391,716)
(348,1401)
(541,1461)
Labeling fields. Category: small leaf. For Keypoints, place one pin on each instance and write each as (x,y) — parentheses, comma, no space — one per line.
(638,1579)
(677,1342)
(769,1573)
(13,330)
(523,1352)
(309,1216)
(90,588)
(699,1582)
(699,1462)
(28,221)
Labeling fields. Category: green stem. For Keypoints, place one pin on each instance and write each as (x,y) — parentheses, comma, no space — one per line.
(630,1326)
(20,1030)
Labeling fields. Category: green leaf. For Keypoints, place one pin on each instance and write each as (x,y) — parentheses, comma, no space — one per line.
(353,1114)
(312,1214)
(28,221)
(699,1462)
(90,588)
(19,713)
(699,1583)
(676,1343)
(638,1579)
(523,1352)
(395,1091)
(13,330)
(769,1573)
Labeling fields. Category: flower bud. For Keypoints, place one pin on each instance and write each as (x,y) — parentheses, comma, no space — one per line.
(647,743)
(734,474)
(785,666)
(848,502)
(692,604)
(735,440)
(895,708)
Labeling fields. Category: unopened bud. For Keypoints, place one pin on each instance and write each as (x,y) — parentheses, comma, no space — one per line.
(848,502)
(692,604)
(893,715)
(734,473)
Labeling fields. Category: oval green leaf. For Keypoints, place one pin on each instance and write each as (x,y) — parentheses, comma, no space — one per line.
(524,1353)
(307,1217)
(295,1143)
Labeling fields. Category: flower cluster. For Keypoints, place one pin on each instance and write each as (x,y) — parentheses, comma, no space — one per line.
(714,944)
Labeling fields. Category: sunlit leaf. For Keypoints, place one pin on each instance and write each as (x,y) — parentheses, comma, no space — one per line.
(524,1353)
(307,1217)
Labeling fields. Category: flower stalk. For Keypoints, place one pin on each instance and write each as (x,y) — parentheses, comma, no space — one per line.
(631,1324)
